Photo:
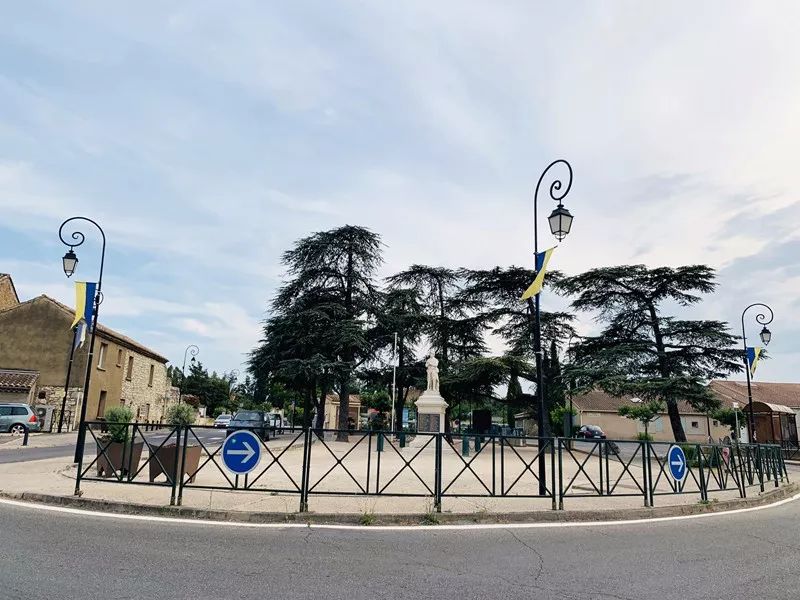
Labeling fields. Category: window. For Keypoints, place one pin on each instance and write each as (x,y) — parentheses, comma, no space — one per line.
(101,404)
(715,423)
(152,372)
(119,357)
(130,368)
(5,411)
(19,410)
(122,402)
(695,424)
(101,357)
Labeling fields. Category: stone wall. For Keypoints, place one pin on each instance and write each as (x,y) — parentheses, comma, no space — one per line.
(52,396)
(148,396)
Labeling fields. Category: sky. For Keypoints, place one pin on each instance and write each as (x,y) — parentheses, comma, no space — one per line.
(207,137)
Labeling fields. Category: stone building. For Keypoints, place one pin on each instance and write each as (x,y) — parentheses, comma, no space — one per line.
(35,335)
(8,295)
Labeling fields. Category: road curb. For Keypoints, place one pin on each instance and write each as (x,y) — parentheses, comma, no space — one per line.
(605,515)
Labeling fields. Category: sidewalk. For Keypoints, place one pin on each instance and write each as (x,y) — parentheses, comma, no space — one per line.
(37,440)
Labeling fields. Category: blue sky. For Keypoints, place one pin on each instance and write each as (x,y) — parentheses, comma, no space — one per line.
(205,137)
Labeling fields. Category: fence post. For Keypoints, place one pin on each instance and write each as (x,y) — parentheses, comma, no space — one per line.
(494,466)
(560,475)
(553,471)
(79,452)
(437,480)
(742,474)
(760,467)
(776,453)
(651,486)
(172,496)
(645,479)
(304,485)
(703,488)
(464,445)
(182,469)
(600,456)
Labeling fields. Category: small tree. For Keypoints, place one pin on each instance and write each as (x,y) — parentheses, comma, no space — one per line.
(180,415)
(730,417)
(118,419)
(645,413)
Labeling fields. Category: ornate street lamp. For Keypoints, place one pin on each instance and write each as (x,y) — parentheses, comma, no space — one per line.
(194,351)
(766,336)
(560,221)
(70,263)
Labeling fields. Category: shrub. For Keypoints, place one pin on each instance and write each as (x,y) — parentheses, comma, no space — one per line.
(180,415)
(117,420)
(644,437)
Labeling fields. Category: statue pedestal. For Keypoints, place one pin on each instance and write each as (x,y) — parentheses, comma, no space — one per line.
(430,412)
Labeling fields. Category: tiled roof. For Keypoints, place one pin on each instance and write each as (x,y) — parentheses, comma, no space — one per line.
(15,380)
(102,330)
(787,394)
(597,400)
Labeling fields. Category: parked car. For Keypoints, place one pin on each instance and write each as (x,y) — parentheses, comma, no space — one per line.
(222,421)
(591,432)
(256,421)
(17,419)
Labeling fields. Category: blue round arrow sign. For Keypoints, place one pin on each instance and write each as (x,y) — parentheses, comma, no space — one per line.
(241,452)
(676,462)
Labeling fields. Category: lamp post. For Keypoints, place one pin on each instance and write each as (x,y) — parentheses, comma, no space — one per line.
(70,264)
(560,221)
(766,336)
(194,351)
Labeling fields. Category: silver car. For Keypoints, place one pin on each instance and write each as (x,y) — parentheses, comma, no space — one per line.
(17,419)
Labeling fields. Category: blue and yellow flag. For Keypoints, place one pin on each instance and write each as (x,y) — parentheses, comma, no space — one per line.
(753,352)
(84,302)
(542,258)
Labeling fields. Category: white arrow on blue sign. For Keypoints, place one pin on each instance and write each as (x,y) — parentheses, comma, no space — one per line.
(241,452)
(676,461)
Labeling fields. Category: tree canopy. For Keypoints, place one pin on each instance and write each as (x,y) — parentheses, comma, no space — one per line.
(641,351)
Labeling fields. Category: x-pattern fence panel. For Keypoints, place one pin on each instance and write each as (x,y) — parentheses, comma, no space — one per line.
(376,463)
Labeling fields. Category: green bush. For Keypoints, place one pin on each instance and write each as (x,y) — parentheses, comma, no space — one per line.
(644,437)
(180,415)
(118,419)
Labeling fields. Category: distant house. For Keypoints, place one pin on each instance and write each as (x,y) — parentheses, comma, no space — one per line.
(36,336)
(776,407)
(601,409)
(18,385)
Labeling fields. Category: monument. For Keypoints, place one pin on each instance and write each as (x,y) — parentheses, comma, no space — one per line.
(430,405)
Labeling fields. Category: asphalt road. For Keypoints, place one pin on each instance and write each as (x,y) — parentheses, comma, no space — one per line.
(210,437)
(749,556)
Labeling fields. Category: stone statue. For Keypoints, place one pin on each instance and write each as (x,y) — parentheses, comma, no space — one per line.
(433,373)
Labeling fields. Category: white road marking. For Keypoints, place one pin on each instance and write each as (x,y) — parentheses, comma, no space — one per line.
(477,526)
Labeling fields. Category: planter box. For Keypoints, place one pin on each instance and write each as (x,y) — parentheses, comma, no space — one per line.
(111,460)
(166,454)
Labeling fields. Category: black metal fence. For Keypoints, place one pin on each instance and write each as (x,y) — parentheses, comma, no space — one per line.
(310,462)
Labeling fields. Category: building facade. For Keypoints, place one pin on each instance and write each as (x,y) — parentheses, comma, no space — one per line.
(35,335)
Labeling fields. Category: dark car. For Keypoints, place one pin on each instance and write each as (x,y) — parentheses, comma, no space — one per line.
(591,432)
(253,420)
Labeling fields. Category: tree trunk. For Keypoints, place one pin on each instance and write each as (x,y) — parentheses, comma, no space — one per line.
(672,403)
(319,419)
(344,411)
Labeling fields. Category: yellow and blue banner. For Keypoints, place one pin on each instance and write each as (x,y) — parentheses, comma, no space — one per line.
(542,258)
(753,353)
(84,302)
